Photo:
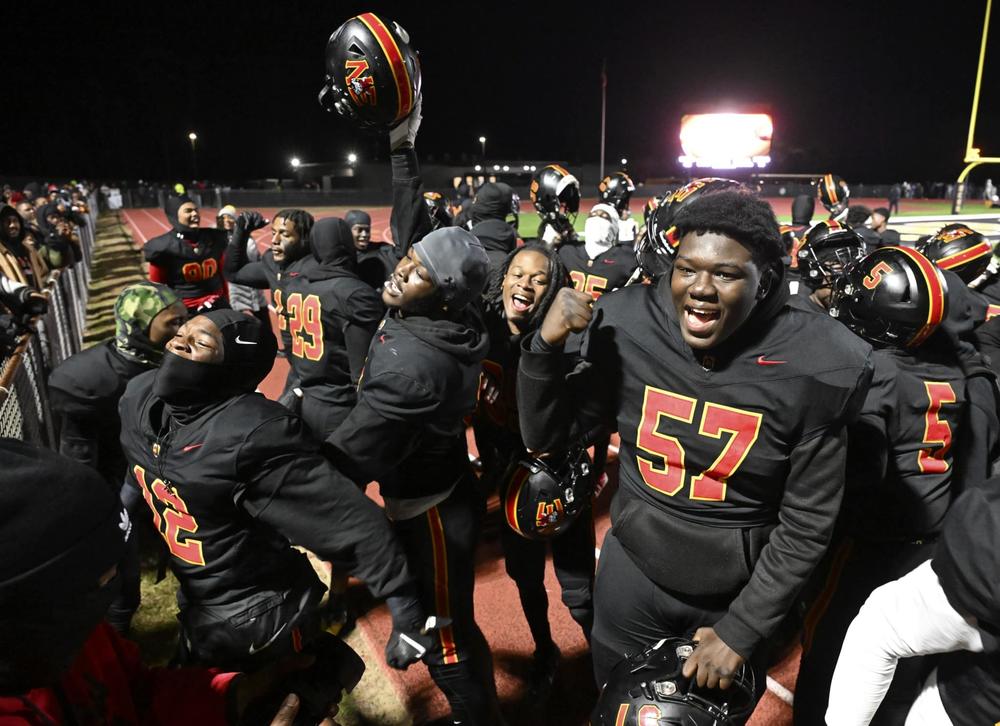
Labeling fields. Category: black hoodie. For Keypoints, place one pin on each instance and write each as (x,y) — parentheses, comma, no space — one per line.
(332,316)
(752,525)
(187,259)
(498,239)
(408,429)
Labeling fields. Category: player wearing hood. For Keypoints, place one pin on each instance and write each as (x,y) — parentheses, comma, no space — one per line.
(332,316)
(407,431)
(18,261)
(490,208)
(233,481)
(188,258)
(732,425)
(376,260)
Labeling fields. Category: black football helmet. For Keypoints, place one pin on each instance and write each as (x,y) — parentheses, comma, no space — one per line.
(555,193)
(543,497)
(959,248)
(893,297)
(833,193)
(616,189)
(825,250)
(656,252)
(372,73)
(437,208)
(649,689)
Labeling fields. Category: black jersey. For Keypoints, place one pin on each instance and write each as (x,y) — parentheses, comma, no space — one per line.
(608,271)
(419,384)
(495,423)
(712,451)
(189,261)
(231,489)
(801,299)
(901,461)
(84,390)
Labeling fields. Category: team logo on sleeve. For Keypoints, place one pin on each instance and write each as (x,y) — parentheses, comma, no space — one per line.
(360,86)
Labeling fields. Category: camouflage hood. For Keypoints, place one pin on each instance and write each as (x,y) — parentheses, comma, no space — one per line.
(135,309)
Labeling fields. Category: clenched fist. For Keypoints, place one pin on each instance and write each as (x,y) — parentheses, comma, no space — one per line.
(571,312)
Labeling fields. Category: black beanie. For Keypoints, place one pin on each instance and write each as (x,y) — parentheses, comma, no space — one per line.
(356,216)
(967,559)
(173,206)
(62,525)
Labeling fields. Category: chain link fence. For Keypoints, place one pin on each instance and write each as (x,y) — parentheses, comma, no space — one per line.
(24,405)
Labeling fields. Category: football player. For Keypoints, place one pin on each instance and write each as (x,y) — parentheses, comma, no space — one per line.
(556,196)
(946,607)
(376,260)
(598,264)
(793,234)
(616,189)
(732,425)
(901,471)
(407,431)
(188,258)
(232,481)
(490,208)
(822,255)
(520,293)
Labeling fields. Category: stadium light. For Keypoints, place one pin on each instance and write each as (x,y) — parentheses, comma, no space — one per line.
(526,167)
(479,167)
(352,158)
(482,142)
(193,137)
(624,161)
(506,168)
(533,167)
(496,167)
(295,162)
(726,140)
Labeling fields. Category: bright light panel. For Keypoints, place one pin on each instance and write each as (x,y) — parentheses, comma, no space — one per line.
(726,140)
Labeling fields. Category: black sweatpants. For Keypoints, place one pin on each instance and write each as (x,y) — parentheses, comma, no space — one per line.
(440,547)
(632,612)
(857,568)
(573,560)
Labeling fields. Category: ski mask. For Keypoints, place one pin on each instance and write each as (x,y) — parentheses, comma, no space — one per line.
(135,309)
(63,529)
(601,230)
(189,387)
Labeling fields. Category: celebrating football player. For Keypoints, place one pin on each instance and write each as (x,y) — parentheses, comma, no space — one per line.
(733,441)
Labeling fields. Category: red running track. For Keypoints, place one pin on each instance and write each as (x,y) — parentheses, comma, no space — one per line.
(497,606)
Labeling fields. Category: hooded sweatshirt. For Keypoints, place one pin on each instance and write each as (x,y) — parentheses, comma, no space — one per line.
(489,212)
(786,380)
(85,388)
(188,259)
(18,261)
(407,430)
(332,316)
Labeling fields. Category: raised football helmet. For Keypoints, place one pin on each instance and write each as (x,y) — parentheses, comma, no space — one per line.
(825,250)
(833,193)
(437,208)
(372,72)
(959,248)
(616,189)
(543,497)
(656,252)
(649,689)
(893,297)
(555,193)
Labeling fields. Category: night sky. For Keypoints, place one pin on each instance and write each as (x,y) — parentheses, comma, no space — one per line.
(870,90)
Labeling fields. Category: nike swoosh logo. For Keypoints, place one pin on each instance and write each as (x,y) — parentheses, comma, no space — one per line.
(255,649)
(762,362)
(191,447)
(608,262)
(245,342)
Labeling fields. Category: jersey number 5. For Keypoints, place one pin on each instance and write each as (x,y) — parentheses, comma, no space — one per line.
(936,431)
(175,519)
(664,469)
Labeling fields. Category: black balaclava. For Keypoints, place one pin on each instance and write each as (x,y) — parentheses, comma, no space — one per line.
(357,216)
(189,387)
(493,201)
(62,528)
(333,248)
(172,207)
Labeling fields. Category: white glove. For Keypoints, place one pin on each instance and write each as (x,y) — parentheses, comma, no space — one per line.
(405,132)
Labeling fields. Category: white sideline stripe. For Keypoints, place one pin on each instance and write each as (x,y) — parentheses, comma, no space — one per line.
(780,691)
(135,227)
(162,224)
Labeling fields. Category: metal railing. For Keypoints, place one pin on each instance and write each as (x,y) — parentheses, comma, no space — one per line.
(55,336)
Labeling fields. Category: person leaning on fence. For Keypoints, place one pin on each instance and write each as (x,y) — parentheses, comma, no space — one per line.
(18,261)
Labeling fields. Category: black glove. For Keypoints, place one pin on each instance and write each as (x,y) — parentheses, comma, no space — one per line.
(247,222)
(412,634)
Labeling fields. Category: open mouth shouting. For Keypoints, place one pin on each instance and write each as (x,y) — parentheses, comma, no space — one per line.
(701,321)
